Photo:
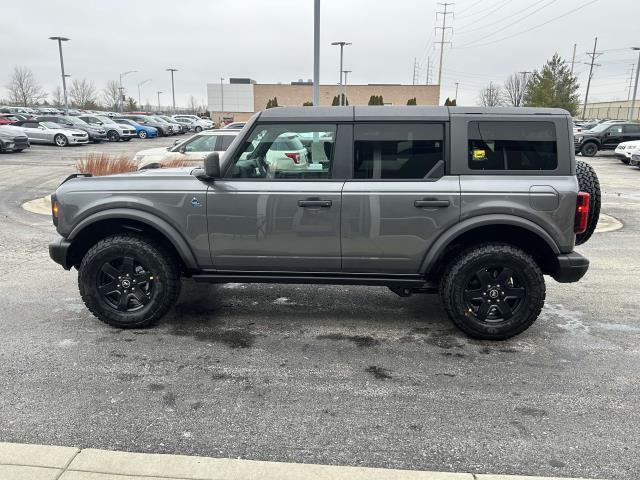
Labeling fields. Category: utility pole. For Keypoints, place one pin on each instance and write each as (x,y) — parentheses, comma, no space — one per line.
(121,88)
(159,92)
(139,97)
(221,101)
(442,42)
(456,97)
(64,77)
(635,85)
(428,70)
(633,69)
(593,56)
(524,87)
(573,58)
(316,53)
(345,72)
(415,61)
(340,91)
(173,90)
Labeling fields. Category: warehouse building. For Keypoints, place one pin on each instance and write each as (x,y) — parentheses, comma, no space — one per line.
(616,110)
(242,97)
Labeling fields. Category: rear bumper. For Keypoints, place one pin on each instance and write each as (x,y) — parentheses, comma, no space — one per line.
(571,267)
(59,252)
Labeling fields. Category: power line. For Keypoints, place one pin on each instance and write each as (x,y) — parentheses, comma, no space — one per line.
(533,27)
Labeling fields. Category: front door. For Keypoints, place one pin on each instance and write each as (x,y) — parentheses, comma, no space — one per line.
(400,198)
(613,137)
(278,206)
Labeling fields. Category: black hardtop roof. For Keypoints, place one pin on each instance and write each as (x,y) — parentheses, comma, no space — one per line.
(395,113)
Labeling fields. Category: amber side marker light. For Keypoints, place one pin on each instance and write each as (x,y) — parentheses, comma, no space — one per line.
(582,213)
(55,209)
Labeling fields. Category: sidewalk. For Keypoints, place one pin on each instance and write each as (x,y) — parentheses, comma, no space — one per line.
(41,462)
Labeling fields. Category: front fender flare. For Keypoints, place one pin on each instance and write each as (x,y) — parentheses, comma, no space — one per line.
(171,234)
(445,239)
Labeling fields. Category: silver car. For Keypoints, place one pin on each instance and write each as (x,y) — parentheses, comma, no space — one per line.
(50,132)
(115,131)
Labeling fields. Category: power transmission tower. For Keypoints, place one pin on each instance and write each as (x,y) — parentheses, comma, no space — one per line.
(444,28)
(633,70)
(524,86)
(428,70)
(415,69)
(593,56)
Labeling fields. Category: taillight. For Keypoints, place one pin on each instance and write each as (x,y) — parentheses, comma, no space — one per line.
(582,212)
(295,156)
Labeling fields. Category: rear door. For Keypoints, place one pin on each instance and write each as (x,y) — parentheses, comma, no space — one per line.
(631,132)
(266,216)
(399,199)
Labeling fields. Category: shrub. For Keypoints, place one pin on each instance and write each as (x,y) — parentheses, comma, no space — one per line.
(99,164)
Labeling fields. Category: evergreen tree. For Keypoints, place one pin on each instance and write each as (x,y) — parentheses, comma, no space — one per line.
(336,100)
(131,105)
(450,103)
(412,101)
(272,102)
(307,104)
(553,86)
(376,100)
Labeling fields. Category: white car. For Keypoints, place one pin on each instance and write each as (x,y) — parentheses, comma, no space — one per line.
(286,153)
(188,152)
(203,123)
(625,149)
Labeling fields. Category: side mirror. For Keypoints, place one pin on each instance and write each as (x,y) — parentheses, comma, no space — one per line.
(212,165)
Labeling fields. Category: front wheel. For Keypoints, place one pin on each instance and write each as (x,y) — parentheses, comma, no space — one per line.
(60,140)
(198,129)
(128,281)
(493,291)
(113,136)
(142,134)
(589,149)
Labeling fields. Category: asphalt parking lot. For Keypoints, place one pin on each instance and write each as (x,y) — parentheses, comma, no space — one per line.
(317,374)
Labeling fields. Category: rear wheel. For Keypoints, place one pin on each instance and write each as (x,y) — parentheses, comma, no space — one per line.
(60,140)
(142,134)
(493,291)
(589,149)
(128,281)
(588,182)
(198,129)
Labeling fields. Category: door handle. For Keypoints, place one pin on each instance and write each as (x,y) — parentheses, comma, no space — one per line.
(314,203)
(433,203)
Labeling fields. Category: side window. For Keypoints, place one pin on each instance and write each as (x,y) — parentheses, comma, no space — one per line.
(30,125)
(201,143)
(633,128)
(398,151)
(616,130)
(512,146)
(286,151)
(225,141)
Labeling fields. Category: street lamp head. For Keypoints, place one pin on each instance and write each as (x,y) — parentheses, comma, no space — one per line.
(172,69)
(635,48)
(62,39)
(341,43)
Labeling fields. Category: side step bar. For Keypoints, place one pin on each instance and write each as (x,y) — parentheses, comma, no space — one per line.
(407,281)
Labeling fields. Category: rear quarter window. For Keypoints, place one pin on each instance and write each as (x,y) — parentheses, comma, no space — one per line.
(512,146)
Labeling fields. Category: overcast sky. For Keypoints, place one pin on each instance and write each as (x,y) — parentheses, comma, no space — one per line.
(272,41)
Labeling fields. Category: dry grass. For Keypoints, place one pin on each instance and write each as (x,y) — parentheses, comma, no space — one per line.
(99,164)
(176,162)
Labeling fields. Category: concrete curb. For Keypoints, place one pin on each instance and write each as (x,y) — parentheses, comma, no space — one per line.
(42,462)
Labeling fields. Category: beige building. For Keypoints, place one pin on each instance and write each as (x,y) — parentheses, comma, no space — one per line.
(615,110)
(241,100)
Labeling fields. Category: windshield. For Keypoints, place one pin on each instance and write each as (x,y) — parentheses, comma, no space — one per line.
(105,120)
(158,119)
(75,121)
(51,125)
(600,127)
(198,143)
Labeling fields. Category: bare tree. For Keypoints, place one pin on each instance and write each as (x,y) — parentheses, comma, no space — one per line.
(23,88)
(514,90)
(83,94)
(57,99)
(491,95)
(111,95)
(194,107)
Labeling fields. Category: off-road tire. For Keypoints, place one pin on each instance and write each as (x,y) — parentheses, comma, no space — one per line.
(159,262)
(624,160)
(453,284)
(589,149)
(589,183)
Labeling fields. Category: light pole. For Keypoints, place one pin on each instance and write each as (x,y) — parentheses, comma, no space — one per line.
(316,53)
(173,91)
(635,85)
(139,85)
(456,98)
(342,44)
(159,92)
(221,101)
(345,72)
(64,77)
(121,89)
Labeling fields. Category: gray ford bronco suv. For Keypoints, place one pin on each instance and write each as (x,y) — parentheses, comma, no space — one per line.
(477,204)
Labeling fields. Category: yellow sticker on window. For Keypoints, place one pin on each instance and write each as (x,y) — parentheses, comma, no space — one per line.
(479,154)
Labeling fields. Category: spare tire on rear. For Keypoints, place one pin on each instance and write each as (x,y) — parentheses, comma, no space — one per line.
(588,182)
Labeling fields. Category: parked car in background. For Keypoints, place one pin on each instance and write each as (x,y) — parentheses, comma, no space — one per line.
(188,124)
(149,121)
(115,131)
(6,121)
(178,127)
(192,150)
(235,125)
(12,139)
(205,123)
(96,132)
(17,117)
(143,131)
(624,150)
(172,129)
(605,136)
(50,132)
